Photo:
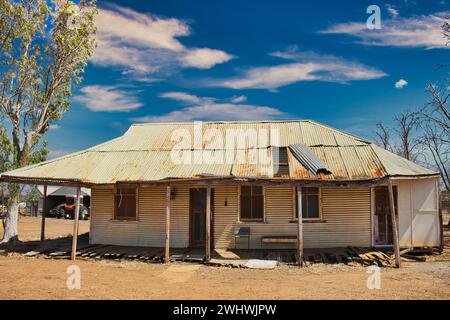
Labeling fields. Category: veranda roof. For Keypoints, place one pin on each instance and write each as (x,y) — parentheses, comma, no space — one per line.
(143,154)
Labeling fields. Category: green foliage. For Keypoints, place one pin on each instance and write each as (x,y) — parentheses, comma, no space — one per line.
(32,196)
(42,57)
(6,151)
(7,157)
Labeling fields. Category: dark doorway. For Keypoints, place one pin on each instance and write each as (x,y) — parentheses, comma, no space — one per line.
(197,217)
(383,221)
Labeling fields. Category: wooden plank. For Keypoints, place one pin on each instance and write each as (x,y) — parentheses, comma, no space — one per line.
(44,213)
(331,257)
(317,258)
(283,240)
(167,240)
(394,225)
(300,228)
(324,257)
(340,258)
(75,224)
(208,224)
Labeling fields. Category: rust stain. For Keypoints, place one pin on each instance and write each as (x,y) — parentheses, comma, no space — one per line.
(143,154)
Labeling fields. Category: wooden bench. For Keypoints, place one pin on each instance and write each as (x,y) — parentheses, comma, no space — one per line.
(286,239)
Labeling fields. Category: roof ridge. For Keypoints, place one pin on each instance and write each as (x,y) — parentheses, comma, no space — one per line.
(219,121)
(256,122)
(340,131)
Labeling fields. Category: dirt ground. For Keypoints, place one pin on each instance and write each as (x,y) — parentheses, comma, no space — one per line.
(40,278)
(30,228)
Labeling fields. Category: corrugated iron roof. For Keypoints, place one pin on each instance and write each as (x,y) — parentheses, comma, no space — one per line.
(308,159)
(64,191)
(144,153)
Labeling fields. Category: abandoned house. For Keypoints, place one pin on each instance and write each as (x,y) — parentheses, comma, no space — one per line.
(342,186)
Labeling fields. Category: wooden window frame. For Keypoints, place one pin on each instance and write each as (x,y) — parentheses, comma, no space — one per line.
(258,220)
(125,219)
(294,206)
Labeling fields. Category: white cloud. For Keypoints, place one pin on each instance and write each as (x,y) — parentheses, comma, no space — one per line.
(217,111)
(112,53)
(146,44)
(238,99)
(181,96)
(393,11)
(272,77)
(417,31)
(107,98)
(400,84)
(307,67)
(205,108)
(205,58)
(126,25)
(54,127)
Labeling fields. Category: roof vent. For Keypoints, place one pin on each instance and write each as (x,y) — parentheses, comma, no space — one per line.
(308,159)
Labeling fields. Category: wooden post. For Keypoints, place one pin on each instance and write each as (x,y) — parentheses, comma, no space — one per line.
(44,213)
(208,223)
(167,241)
(441,222)
(299,227)
(75,224)
(394,225)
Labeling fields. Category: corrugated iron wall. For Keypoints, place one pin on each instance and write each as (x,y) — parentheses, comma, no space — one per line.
(418,212)
(149,230)
(346,215)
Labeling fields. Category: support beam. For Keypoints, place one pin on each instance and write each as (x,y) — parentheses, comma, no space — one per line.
(167,240)
(394,224)
(299,228)
(44,213)
(441,222)
(208,223)
(75,224)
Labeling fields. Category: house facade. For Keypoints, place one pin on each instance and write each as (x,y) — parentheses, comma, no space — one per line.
(347,217)
(149,188)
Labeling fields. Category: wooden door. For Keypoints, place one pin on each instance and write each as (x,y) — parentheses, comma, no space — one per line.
(383,221)
(197,217)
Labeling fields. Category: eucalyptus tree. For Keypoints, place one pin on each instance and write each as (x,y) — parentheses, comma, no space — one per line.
(44,49)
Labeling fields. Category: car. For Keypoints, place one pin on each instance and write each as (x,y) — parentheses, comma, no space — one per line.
(67,211)
(57,212)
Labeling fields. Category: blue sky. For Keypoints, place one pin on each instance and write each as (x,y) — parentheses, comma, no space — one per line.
(251,60)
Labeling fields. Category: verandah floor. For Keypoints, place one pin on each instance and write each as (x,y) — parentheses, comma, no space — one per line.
(60,249)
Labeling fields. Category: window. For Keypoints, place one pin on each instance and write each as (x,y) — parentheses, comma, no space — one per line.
(310,203)
(252,203)
(125,204)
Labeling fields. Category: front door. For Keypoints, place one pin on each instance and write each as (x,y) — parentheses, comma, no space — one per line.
(197,218)
(383,222)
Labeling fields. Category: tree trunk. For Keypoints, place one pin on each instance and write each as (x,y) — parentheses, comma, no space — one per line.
(10,233)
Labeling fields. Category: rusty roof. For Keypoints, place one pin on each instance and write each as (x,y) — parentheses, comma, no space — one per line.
(145,154)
